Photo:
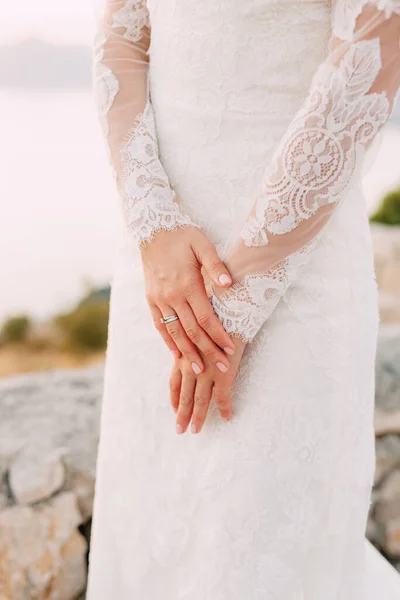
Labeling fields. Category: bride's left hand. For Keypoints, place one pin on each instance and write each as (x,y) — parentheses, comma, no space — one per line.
(191,394)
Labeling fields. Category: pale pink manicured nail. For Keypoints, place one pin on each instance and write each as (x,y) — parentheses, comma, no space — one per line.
(196,368)
(225,419)
(179,428)
(229,351)
(224,279)
(193,428)
(222,367)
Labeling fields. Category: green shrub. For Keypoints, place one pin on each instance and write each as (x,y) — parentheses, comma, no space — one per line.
(15,329)
(86,327)
(389,210)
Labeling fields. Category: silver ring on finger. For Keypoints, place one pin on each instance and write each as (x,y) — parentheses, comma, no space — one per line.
(169,319)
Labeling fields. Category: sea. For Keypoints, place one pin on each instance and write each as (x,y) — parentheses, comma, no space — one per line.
(60,215)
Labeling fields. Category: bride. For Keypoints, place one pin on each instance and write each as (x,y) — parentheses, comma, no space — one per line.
(236,454)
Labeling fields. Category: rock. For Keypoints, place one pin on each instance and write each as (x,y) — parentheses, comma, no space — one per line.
(387,506)
(48,433)
(388,446)
(42,554)
(384,465)
(83,488)
(387,423)
(387,457)
(389,308)
(5,499)
(36,475)
(391,543)
(375,532)
(52,410)
(3,502)
(387,395)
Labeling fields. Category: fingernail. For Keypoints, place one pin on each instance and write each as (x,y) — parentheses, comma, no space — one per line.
(175,409)
(224,279)
(229,351)
(193,428)
(225,419)
(222,367)
(196,368)
(174,353)
(179,428)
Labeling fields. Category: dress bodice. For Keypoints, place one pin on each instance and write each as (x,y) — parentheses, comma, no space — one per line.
(231,58)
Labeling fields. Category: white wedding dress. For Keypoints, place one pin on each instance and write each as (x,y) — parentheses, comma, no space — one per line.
(256,114)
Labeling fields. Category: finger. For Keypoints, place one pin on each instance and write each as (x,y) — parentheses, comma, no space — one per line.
(202,397)
(207,256)
(186,401)
(199,337)
(175,382)
(186,347)
(209,322)
(222,396)
(163,331)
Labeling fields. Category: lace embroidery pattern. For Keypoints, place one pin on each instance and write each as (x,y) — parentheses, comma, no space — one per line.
(132,17)
(314,166)
(150,204)
(321,151)
(247,304)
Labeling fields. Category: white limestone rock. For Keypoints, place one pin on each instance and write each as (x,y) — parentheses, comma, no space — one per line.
(36,475)
(43,556)
(49,431)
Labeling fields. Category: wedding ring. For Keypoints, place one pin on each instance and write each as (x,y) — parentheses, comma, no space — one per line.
(169,319)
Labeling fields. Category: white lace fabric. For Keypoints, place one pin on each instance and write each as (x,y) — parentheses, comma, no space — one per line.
(317,162)
(125,111)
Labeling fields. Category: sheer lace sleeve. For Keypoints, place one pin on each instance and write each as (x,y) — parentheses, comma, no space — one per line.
(318,161)
(122,94)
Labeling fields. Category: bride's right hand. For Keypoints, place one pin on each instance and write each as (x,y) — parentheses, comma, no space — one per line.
(172,265)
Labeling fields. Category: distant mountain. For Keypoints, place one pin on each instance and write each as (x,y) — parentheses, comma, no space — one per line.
(36,64)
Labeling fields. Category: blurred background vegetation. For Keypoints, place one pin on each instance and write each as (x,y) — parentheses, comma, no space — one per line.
(74,338)
(388,212)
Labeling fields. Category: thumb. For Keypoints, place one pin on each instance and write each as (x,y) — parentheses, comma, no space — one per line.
(213,265)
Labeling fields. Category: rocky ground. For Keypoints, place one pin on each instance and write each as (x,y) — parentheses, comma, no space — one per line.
(384,522)
(48,442)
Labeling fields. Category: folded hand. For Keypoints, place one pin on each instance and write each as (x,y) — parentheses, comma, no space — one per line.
(191,394)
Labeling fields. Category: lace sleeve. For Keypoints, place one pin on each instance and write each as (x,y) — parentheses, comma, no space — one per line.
(318,161)
(123,103)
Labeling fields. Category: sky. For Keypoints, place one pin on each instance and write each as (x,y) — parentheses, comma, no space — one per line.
(58,21)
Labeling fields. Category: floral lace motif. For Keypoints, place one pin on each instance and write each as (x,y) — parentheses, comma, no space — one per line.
(244,308)
(315,164)
(322,149)
(150,204)
(132,17)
